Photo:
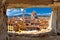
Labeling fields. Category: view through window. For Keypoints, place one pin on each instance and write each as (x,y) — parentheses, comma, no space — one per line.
(28,20)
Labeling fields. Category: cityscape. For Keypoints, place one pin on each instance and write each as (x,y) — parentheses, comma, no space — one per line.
(26,22)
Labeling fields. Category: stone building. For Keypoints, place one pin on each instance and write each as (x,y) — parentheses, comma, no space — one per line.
(5,4)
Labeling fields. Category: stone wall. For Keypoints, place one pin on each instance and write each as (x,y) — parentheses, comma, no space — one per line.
(33,2)
(3,26)
(58,19)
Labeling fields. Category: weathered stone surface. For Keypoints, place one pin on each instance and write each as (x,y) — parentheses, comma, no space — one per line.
(33,2)
(2,23)
(58,19)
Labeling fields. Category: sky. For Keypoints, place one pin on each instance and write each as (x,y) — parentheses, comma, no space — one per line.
(39,11)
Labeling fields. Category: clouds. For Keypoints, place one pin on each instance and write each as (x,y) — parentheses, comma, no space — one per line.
(13,12)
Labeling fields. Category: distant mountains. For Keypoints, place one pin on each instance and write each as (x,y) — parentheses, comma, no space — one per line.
(28,15)
(19,15)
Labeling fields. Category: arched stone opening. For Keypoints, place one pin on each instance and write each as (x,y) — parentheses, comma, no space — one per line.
(26,6)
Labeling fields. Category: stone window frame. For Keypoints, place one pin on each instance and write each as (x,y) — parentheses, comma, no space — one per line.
(7,5)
